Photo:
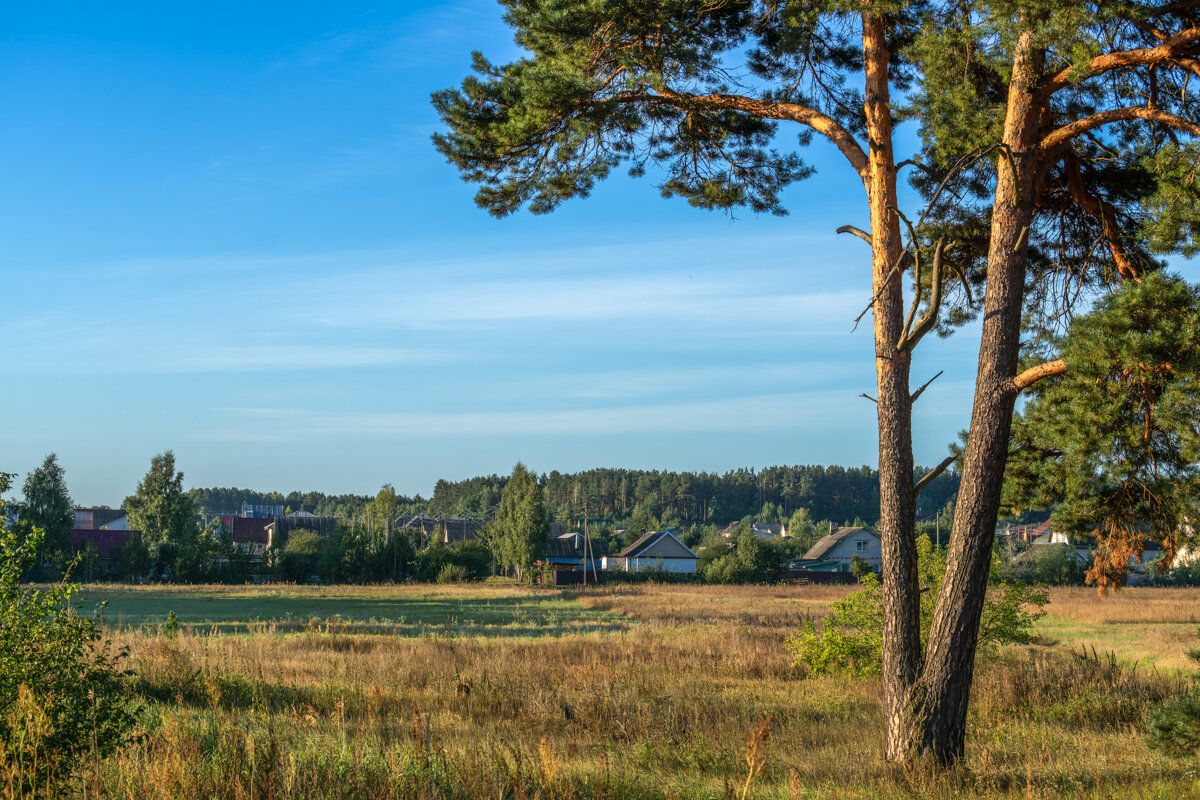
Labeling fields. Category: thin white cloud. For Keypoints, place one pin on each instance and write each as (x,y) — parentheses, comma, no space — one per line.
(779,412)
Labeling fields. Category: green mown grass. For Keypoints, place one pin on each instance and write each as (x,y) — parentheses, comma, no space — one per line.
(403,611)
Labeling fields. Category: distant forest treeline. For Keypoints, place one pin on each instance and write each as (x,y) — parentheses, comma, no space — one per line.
(675,498)
(230,500)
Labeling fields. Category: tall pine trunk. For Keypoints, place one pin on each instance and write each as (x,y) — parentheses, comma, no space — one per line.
(942,695)
(901,598)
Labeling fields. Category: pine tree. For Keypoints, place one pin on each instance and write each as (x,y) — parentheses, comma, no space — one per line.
(1047,120)
(1114,443)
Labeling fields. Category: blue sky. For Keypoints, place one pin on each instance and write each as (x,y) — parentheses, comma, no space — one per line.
(224,231)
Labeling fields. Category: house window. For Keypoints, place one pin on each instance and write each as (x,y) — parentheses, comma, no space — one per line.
(861,545)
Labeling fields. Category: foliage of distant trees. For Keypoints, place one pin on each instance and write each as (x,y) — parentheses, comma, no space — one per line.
(46,506)
(368,546)
(772,494)
(518,537)
(342,506)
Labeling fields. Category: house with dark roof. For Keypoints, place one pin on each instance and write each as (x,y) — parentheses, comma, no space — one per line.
(95,519)
(448,529)
(250,533)
(841,545)
(279,528)
(568,551)
(260,511)
(658,550)
(768,530)
(107,546)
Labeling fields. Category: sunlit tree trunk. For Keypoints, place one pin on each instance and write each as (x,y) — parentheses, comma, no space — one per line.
(901,633)
(942,696)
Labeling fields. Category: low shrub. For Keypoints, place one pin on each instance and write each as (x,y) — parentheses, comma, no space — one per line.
(453,573)
(851,640)
(64,700)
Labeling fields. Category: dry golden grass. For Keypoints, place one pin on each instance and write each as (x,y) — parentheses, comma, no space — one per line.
(1154,628)
(1131,604)
(661,708)
(782,607)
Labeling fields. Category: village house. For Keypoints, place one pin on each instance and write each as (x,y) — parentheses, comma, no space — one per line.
(100,519)
(842,545)
(768,530)
(279,528)
(567,555)
(657,550)
(250,534)
(105,544)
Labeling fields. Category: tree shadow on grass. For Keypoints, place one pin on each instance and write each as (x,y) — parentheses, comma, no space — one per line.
(402,616)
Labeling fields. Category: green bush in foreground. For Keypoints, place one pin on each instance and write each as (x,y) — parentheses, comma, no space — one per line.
(851,640)
(63,699)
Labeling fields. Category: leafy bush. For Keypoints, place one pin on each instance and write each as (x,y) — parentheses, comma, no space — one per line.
(63,698)
(453,573)
(474,558)
(1053,565)
(1174,726)
(851,640)
(301,555)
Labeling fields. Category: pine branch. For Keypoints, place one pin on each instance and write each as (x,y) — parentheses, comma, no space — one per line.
(929,319)
(1181,44)
(923,387)
(822,124)
(1105,213)
(859,232)
(1080,126)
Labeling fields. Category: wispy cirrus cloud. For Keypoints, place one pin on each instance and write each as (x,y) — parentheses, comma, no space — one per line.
(744,413)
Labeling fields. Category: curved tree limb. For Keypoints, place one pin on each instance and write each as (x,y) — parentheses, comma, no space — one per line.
(929,319)
(822,124)
(1034,374)
(1105,213)
(1079,126)
(859,232)
(1186,42)
(929,476)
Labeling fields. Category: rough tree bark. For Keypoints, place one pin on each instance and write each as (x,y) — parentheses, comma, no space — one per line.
(941,697)
(902,634)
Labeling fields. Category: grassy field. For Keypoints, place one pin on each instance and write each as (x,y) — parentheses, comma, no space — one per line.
(404,611)
(639,691)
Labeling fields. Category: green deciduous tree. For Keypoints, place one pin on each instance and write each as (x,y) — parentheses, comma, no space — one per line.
(46,505)
(800,527)
(167,517)
(520,529)
(1048,119)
